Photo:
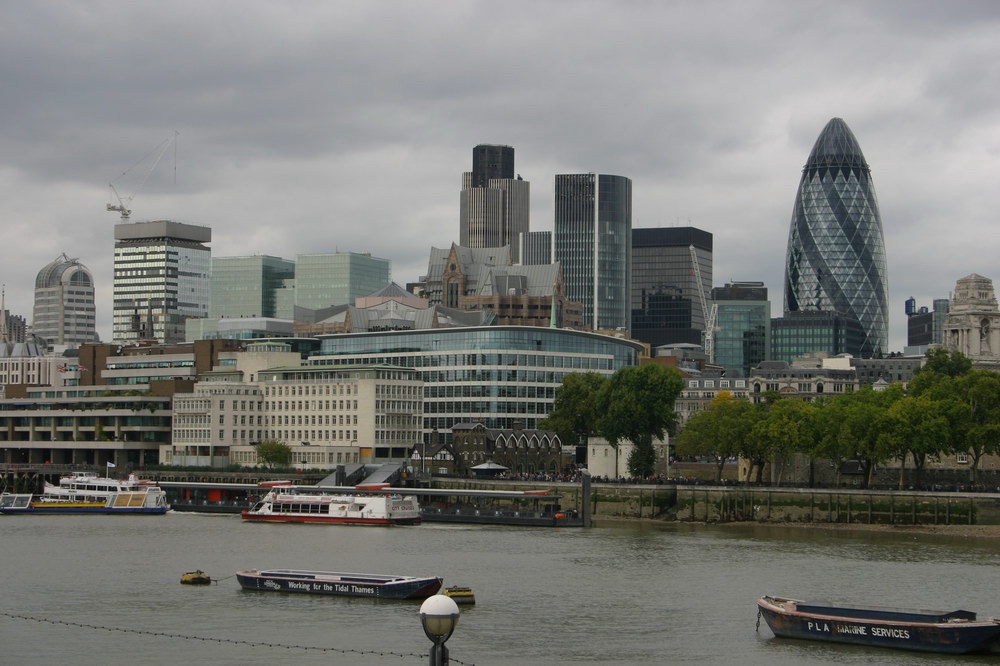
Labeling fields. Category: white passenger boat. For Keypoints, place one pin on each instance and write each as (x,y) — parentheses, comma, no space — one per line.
(368,505)
(145,500)
(90,486)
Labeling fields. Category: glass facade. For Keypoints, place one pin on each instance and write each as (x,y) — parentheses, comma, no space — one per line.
(248,286)
(162,275)
(666,307)
(742,327)
(324,280)
(535,248)
(836,250)
(799,333)
(497,374)
(592,239)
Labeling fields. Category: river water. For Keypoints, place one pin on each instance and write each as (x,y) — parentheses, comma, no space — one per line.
(105,590)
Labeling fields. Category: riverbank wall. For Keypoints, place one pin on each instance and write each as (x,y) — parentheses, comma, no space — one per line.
(718,504)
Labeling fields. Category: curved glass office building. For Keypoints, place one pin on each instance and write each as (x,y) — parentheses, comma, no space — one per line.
(836,250)
(497,374)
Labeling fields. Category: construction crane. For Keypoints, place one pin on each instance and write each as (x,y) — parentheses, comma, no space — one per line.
(709,314)
(152,159)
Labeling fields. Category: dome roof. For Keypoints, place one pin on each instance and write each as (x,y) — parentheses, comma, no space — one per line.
(64,271)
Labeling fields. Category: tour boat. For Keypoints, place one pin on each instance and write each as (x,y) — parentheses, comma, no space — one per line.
(90,486)
(371,505)
(342,584)
(953,632)
(147,500)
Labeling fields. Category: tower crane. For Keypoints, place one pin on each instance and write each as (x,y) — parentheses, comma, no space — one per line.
(152,159)
(709,314)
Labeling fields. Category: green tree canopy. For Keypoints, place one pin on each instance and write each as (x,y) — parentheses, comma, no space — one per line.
(718,431)
(272,453)
(574,411)
(637,405)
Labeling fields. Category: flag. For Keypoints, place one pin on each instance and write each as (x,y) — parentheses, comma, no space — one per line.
(81,368)
(110,465)
(61,368)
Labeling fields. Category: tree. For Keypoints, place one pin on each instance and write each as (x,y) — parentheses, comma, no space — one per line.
(272,453)
(718,431)
(852,424)
(979,390)
(941,361)
(787,428)
(637,405)
(919,427)
(574,411)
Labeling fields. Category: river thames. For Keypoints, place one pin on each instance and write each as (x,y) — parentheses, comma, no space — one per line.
(106,590)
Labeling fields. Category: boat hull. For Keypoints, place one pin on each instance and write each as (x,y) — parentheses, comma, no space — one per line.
(343,585)
(150,501)
(326,520)
(103,510)
(887,629)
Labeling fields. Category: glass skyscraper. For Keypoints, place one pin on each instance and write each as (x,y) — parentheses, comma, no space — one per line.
(249,286)
(323,280)
(592,239)
(743,326)
(836,250)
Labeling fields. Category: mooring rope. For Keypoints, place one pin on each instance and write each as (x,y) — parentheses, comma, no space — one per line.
(231,641)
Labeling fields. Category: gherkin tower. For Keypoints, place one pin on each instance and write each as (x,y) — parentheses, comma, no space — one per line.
(836,250)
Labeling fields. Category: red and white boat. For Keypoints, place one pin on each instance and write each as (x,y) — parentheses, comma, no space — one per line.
(367,505)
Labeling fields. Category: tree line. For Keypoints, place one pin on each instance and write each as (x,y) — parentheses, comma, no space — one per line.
(949,407)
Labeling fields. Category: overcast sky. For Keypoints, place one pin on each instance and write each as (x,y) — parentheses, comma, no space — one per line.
(309,127)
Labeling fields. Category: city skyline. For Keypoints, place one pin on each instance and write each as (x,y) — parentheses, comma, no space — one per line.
(384,115)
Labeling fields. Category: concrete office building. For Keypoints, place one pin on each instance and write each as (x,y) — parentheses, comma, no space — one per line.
(836,251)
(592,240)
(64,314)
(161,278)
(494,205)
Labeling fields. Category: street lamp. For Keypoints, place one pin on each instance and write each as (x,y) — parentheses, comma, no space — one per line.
(439,617)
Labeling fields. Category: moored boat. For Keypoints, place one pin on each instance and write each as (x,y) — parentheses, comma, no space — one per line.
(380,586)
(147,500)
(88,486)
(370,506)
(953,632)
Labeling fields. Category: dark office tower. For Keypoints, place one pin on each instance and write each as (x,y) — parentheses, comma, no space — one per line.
(494,204)
(491,163)
(836,250)
(592,239)
(666,300)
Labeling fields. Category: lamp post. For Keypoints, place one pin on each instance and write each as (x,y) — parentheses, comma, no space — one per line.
(439,617)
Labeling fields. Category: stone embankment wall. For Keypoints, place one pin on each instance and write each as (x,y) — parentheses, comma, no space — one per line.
(702,503)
